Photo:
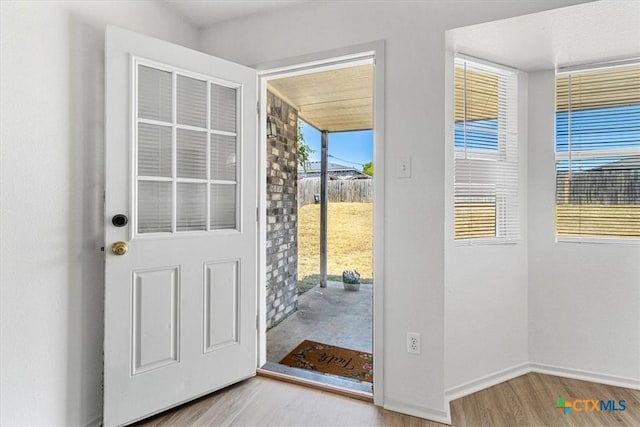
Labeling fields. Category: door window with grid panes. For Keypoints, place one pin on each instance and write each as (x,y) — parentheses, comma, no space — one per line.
(186,152)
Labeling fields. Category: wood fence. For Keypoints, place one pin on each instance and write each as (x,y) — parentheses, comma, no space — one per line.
(339,190)
(611,187)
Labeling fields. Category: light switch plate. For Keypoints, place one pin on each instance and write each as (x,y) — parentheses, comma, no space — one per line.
(404,167)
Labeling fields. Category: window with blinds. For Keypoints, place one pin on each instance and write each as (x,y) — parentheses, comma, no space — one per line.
(598,154)
(186,152)
(486,206)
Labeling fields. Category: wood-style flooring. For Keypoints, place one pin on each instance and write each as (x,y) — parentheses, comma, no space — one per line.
(528,400)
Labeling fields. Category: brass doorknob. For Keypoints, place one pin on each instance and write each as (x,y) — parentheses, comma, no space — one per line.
(119,248)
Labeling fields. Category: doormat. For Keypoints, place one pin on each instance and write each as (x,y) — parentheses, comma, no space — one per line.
(332,360)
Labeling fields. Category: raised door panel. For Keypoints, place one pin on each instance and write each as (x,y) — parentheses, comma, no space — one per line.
(155,319)
(221,304)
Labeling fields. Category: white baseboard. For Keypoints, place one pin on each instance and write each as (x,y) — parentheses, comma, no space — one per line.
(578,374)
(487,381)
(96,422)
(418,411)
(525,368)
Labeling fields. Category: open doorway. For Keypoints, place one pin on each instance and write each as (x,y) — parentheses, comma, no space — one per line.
(318,314)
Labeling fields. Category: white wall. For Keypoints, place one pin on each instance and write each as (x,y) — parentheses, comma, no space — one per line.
(52,145)
(414,125)
(584,299)
(486,286)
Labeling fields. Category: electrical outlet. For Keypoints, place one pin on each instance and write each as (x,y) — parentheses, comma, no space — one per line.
(404,167)
(413,343)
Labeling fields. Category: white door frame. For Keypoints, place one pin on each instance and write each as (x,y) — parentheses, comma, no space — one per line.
(324,61)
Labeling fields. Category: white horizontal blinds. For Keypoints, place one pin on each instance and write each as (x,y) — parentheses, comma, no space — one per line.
(154,150)
(191,154)
(154,146)
(155,93)
(192,102)
(191,206)
(223,206)
(485,153)
(154,206)
(223,157)
(186,153)
(223,108)
(598,153)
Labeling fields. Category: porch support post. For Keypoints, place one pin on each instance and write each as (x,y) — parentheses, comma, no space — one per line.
(323,207)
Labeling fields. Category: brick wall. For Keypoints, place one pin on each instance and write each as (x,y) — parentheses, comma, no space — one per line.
(282,210)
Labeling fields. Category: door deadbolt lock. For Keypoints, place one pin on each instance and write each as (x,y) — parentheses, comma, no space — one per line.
(119,220)
(119,248)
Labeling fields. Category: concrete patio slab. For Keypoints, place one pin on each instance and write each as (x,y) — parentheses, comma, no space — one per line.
(328,315)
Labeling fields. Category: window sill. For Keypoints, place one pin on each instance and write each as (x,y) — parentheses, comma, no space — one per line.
(485,242)
(599,240)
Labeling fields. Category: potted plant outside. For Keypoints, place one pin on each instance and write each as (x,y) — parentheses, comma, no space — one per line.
(351,280)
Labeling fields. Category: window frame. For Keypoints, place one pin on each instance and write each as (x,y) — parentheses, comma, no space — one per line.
(504,233)
(570,155)
(135,121)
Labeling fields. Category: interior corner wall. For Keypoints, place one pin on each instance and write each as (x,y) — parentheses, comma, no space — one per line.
(52,182)
(486,287)
(584,298)
(414,261)
(282,211)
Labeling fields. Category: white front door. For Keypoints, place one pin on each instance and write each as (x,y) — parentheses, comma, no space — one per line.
(181,198)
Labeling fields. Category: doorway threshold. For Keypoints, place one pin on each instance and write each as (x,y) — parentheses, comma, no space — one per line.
(343,386)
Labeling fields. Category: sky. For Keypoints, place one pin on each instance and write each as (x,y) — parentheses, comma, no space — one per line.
(346,148)
(596,129)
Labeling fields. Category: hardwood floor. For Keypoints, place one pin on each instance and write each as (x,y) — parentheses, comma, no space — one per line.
(528,400)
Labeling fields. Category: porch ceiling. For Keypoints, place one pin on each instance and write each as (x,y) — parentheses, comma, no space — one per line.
(336,100)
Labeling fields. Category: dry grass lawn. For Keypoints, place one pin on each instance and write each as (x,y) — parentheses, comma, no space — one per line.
(478,220)
(349,240)
(350,235)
